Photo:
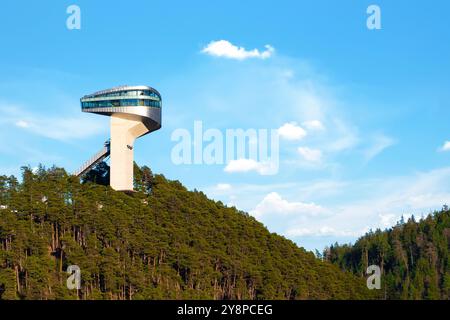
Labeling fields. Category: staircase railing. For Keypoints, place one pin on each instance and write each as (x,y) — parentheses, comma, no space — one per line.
(99,156)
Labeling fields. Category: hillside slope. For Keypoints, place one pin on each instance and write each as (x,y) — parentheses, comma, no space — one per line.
(160,242)
(413,257)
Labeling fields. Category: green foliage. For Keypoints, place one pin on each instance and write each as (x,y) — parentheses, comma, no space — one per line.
(161,242)
(413,257)
(99,174)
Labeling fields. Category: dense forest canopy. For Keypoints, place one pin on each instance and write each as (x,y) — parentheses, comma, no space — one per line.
(162,241)
(413,257)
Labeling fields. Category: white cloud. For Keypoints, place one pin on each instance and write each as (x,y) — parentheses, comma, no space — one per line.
(223,187)
(352,207)
(324,231)
(311,155)
(314,125)
(247,165)
(274,204)
(64,127)
(22,124)
(380,143)
(291,131)
(298,93)
(347,136)
(428,199)
(445,147)
(225,49)
(387,220)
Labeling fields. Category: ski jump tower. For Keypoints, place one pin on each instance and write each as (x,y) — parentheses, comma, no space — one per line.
(134,111)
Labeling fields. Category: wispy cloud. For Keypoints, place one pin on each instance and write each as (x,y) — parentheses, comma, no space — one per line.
(346,136)
(225,49)
(387,220)
(64,127)
(445,146)
(314,125)
(22,124)
(343,210)
(223,187)
(310,155)
(379,144)
(324,231)
(306,107)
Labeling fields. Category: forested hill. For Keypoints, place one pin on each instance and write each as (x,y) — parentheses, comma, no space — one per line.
(413,257)
(160,242)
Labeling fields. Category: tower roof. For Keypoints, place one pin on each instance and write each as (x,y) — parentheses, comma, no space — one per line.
(119,89)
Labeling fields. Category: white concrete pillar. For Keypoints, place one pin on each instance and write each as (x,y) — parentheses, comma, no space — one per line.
(123,134)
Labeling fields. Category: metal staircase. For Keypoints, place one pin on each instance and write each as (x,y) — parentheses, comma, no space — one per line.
(98,157)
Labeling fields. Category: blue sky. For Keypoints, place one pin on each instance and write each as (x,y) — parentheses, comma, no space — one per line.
(365,112)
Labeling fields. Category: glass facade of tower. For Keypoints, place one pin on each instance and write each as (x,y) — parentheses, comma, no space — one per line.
(121,103)
(126,97)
